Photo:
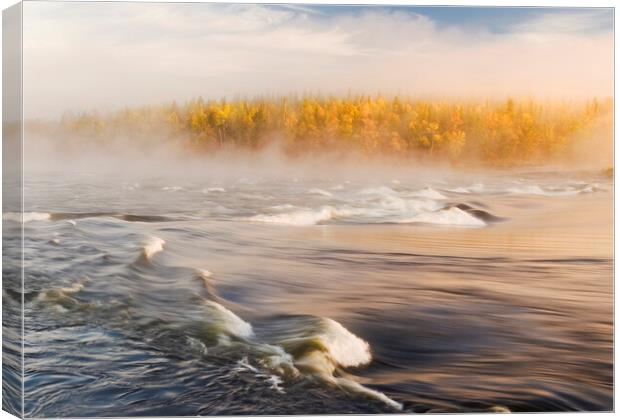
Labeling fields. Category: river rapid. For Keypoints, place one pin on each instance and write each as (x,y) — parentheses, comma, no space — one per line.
(199,295)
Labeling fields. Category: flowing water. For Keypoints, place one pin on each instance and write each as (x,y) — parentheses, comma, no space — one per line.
(155,295)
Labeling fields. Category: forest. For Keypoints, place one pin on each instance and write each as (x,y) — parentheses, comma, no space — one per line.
(499,132)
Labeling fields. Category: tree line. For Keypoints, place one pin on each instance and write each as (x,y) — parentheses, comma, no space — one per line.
(508,131)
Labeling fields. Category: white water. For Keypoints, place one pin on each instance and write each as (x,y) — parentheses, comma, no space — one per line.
(27,217)
(153,246)
(452,216)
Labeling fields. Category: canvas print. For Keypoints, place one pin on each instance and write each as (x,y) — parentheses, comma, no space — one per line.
(296,209)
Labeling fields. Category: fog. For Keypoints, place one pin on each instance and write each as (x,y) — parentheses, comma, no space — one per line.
(170,158)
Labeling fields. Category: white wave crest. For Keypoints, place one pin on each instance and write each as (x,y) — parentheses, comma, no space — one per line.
(397,205)
(477,188)
(153,246)
(26,217)
(358,388)
(383,190)
(173,188)
(319,191)
(301,217)
(452,216)
(61,295)
(228,321)
(345,349)
(552,191)
(343,346)
(282,207)
(213,189)
(458,190)
(429,192)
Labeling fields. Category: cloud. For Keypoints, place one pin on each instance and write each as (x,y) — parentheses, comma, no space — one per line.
(83,56)
(568,21)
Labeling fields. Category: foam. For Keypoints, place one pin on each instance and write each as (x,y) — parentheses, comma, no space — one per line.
(153,246)
(301,217)
(213,189)
(334,346)
(383,190)
(458,190)
(197,346)
(344,347)
(429,192)
(26,217)
(61,296)
(228,322)
(358,388)
(319,191)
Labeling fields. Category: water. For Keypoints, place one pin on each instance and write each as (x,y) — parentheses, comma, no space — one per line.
(149,295)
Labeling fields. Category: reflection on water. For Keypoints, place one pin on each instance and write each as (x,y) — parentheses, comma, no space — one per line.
(153,296)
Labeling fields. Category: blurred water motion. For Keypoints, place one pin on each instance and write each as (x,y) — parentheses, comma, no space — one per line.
(158,296)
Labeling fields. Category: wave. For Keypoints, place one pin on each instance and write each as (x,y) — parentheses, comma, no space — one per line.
(480,214)
(172,188)
(429,192)
(301,217)
(61,298)
(320,347)
(312,347)
(383,190)
(227,323)
(213,189)
(382,210)
(206,277)
(25,217)
(457,190)
(453,216)
(282,207)
(344,347)
(551,191)
(153,246)
(524,189)
(70,217)
(319,191)
(477,188)
(204,274)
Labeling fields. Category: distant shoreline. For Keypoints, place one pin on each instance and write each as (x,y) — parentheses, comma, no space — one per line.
(491,133)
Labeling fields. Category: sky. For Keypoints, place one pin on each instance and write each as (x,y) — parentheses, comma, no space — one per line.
(104,56)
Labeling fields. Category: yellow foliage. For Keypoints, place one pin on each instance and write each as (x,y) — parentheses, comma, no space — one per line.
(508,132)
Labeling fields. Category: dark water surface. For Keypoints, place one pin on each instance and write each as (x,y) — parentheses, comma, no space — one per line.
(186,296)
